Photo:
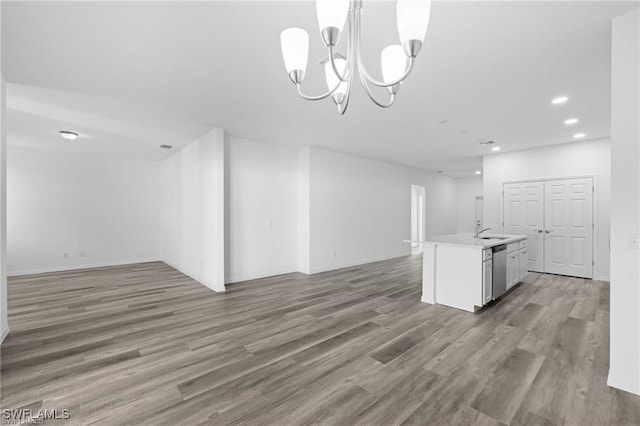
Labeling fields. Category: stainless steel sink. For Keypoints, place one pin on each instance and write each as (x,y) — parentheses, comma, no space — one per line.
(493,238)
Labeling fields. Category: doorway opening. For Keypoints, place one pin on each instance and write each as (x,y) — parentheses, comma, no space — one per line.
(417,217)
(478,215)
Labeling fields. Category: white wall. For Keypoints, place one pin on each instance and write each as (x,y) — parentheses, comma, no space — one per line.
(303,210)
(581,158)
(75,203)
(4,319)
(261,203)
(360,209)
(624,372)
(467,189)
(193,210)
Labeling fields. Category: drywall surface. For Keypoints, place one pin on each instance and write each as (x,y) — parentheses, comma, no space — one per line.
(4,319)
(303,212)
(574,159)
(193,210)
(75,210)
(624,372)
(261,202)
(360,209)
(467,189)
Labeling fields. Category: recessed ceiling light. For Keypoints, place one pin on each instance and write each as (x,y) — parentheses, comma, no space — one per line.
(496,148)
(166,146)
(67,135)
(478,172)
(559,100)
(571,121)
(579,135)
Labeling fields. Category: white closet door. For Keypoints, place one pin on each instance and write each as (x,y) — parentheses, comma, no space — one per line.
(524,214)
(569,227)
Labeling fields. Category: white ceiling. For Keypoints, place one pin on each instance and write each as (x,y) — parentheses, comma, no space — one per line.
(130,76)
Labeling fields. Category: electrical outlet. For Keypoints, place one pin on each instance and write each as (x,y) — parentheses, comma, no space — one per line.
(83,254)
(633,241)
(65,255)
(335,254)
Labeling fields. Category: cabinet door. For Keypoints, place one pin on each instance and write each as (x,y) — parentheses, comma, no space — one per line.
(487,281)
(513,261)
(524,260)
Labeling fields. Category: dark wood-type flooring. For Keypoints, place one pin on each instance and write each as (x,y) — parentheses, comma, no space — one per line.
(144,344)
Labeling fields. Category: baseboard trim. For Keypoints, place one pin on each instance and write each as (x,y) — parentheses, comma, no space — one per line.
(362,262)
(77,267)
(623,384)
(4,334)
(249,277)
(210,286)
(603,278)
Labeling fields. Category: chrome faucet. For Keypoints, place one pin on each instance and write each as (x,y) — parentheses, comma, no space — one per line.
(478,231)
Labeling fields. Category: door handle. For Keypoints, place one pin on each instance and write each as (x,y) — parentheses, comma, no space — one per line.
(539,231)
(548,231)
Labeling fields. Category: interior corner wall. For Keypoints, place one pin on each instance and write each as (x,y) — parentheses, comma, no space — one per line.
(360,209)
(573,159)
(4,319)
(467,189)
(261,205)
(193,210)
(70,210)
(624,370)
(304,214)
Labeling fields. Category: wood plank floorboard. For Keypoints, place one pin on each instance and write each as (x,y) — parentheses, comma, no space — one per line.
(144,344)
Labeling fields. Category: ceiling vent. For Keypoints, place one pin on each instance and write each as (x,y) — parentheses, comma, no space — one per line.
(483,142)
(166,146)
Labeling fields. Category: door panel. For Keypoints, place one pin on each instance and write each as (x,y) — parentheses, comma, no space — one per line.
(524,214)
(569,227)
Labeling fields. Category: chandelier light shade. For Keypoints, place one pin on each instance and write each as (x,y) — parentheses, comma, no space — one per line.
(393,61)
(396,60)
(413,19)
(295,51)
(332,13)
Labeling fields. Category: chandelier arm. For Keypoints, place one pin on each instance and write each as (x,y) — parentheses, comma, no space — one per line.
(362,71)
(367,89)
(319,97)
(341,77)
(361,68)
(375,82)
(351,63)
(342,108)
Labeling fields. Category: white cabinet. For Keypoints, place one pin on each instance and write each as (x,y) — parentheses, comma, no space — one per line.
(487,281)
(517,264)
(513,265)
(524,263)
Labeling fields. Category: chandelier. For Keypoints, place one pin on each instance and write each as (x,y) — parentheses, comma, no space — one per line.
(396,60)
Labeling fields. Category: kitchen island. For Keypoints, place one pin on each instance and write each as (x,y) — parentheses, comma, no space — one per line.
(467,272)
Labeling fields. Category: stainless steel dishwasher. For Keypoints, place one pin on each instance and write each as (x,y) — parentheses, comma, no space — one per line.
(499,281)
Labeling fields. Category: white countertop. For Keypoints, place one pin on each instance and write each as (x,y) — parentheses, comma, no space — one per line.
(466,239)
